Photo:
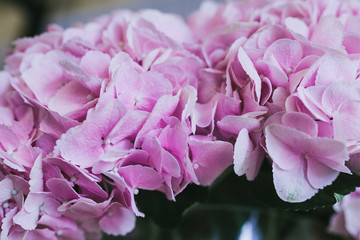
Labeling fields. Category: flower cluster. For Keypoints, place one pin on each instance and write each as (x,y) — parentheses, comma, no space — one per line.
(143,100)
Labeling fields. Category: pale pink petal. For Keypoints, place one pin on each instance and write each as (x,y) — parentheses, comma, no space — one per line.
(318,174)
(328,32)
(210,159)
(298,26)
(117,220)
(286,52)
(46,77)
(249,68)
(96,63)
(82,145)
(336,68)
(337,93)
(271,34)
(348,113)
(285,145)
(177,30)
(292,185)
(233,124)
(242,147)
(92,83)
(69,98)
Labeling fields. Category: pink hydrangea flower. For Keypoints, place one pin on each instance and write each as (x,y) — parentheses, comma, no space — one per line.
(345,221)
(91,114)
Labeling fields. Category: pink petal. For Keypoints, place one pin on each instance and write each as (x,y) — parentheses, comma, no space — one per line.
(141,177)
(296,25)
(351,210)
(117,220)
(36,176)
(164,107)
(61,188)
(325,26)
(154,149)
(271,34)
(301,122)
(82,145)
(177,31)
(54,124)
(69,98)
(91,83)
(45,78)
(96,63)
(249,68)
(242,147)
(285,145)
(233,124)
(170,164)
(210,159)
(128,125)
(174,139)
(286,52)
(8,139)
(348,117)
(318,174)
(336,68)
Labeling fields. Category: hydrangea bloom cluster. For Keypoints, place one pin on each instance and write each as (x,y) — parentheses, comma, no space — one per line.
(143,100)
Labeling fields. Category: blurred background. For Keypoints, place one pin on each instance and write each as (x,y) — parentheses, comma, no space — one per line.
(19,18)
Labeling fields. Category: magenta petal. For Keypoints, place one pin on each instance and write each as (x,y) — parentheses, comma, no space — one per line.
(61,188)
(210,158)
(292,185)
(117,220)
(138,176)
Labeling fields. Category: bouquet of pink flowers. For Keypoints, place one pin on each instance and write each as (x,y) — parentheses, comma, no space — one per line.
(91,114)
